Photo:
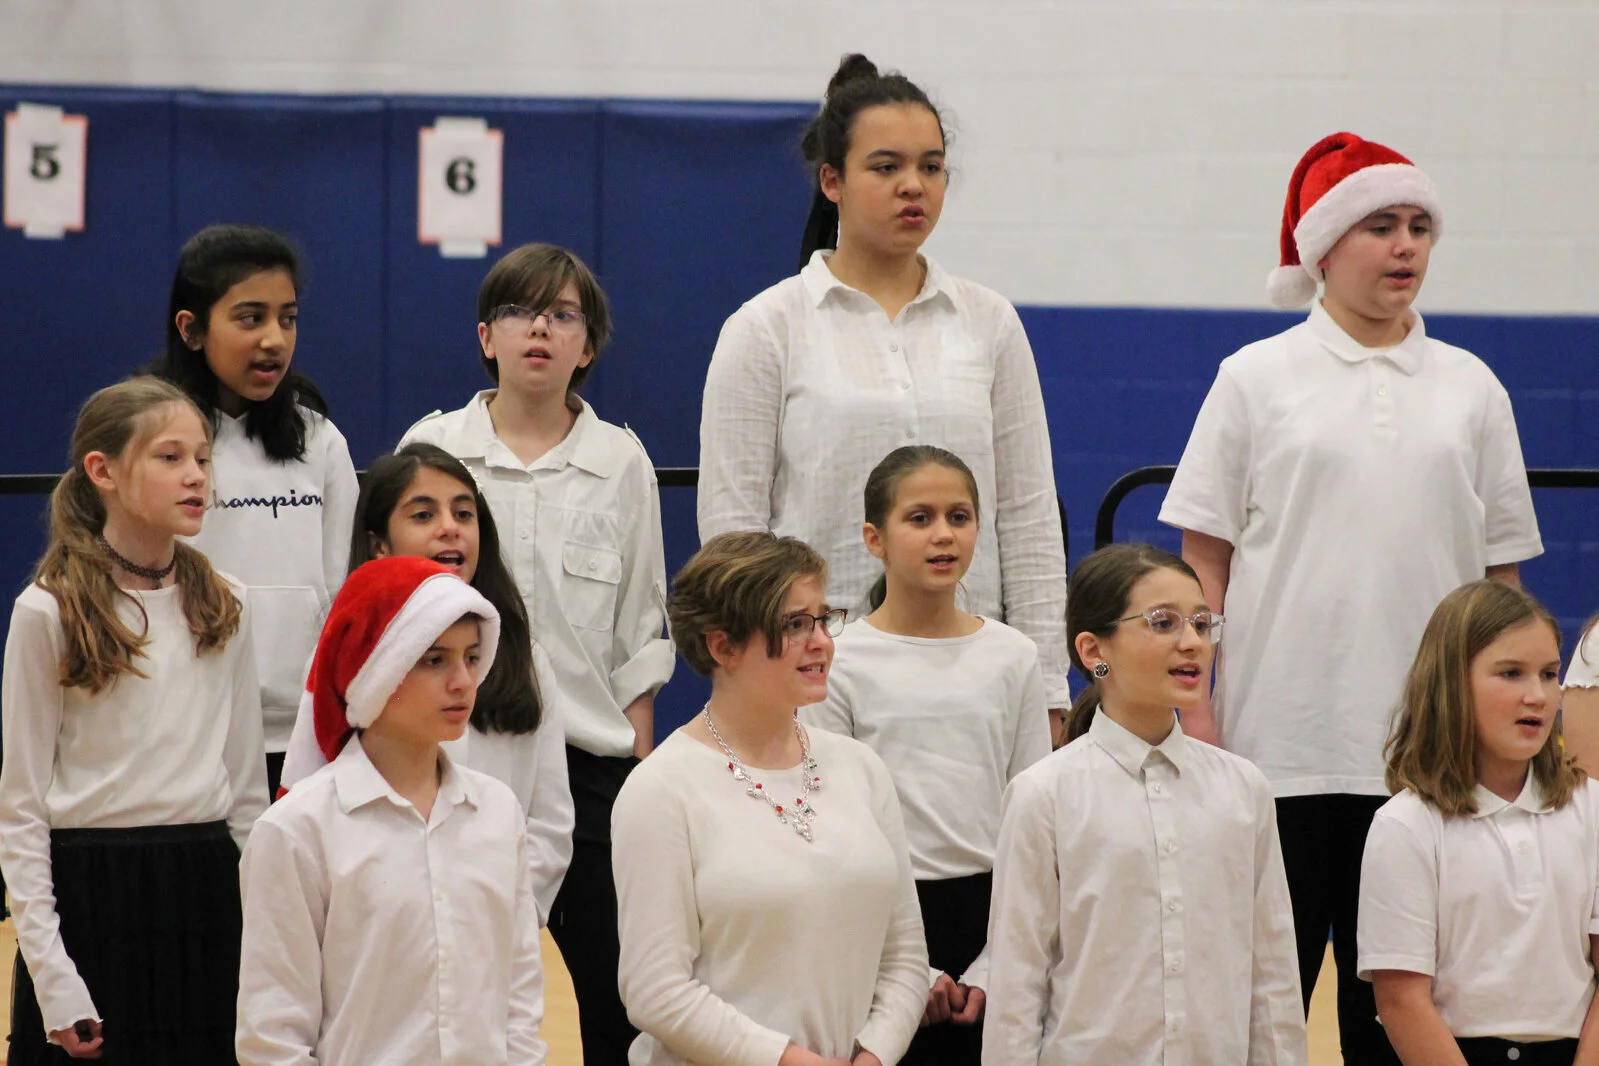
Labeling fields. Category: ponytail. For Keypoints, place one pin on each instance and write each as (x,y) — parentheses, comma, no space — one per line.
(821,228)
(1081,716)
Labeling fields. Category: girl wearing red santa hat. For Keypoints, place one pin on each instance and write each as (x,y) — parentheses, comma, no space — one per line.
(389,913)
(134,767)
(1342,477)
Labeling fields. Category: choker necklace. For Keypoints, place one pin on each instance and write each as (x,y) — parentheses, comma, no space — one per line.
(801,813)
(149,573)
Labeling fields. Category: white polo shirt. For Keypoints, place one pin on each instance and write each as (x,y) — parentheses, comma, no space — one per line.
(1495,907)
(1358,487)
(581,529)
(1583,670)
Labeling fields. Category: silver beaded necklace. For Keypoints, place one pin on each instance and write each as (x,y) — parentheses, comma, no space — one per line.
(800,815)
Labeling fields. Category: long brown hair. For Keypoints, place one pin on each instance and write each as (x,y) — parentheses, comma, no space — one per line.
(1433,749)
(1101,586)
(75,567)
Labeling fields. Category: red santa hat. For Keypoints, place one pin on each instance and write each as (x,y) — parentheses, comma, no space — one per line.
(1340,181)
(387,614)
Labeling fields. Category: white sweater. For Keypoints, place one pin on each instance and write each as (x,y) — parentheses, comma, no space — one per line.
(284,530)
(738,936)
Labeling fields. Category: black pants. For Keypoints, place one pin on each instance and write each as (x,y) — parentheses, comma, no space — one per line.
(1323,838)
(955,919)
(1492,1051)
(274,774)
(583,919)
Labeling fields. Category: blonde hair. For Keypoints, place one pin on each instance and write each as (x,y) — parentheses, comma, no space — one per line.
(1433,749)
(737,583)
(75,567)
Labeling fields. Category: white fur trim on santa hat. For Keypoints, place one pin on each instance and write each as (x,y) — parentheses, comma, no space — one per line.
(436,605)
(1366,190)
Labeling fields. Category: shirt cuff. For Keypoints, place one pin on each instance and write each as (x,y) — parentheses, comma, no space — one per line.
(1367,964)
(649,668)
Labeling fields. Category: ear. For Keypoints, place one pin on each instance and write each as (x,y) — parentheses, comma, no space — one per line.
(587,357)
(722,649)
(874,540)
(831,182)
(1089,649)
(189,330)
(483,340)
(379,547)
(98,466)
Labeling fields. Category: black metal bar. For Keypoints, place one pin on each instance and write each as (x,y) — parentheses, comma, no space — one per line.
(1105,520)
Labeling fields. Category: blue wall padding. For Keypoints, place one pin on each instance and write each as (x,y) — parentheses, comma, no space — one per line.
(685,210)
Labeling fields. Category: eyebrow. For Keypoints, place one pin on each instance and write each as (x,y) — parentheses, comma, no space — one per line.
(1393,216)
(423,497)
(891,153)
(440,647)
(261,305)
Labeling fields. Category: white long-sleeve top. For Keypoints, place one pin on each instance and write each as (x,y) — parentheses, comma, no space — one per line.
(581,528)
(954,719)
(372,935)
(1141,913)
(811,386)
(532,764)
(179,746)
(739,936)
(284,530)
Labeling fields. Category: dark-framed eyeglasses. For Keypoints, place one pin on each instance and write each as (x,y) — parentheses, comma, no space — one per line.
(564,320)
(1165,622)
(800,626)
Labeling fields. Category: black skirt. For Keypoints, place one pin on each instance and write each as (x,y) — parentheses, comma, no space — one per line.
(1492,1051)
(152,920)
(955,920)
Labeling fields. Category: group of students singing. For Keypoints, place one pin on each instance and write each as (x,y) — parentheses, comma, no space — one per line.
(295,769)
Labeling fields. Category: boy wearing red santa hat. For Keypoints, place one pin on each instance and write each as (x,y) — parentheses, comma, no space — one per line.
(1341,478)
(388,907)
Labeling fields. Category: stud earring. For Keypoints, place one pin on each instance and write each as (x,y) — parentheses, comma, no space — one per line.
(1102,669)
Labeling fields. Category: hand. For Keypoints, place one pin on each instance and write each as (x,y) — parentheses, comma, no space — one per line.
(794,1055)
(972,1013)
(943,1001)
(866,1058)
(1057,726)
(79,1049)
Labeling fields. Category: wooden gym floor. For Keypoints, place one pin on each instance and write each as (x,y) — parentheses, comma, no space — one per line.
(560,1017)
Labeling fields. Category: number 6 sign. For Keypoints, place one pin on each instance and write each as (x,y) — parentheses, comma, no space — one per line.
(44,170)
(458,186)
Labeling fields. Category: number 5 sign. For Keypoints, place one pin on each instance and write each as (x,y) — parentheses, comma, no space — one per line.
(44,170)
(458,186)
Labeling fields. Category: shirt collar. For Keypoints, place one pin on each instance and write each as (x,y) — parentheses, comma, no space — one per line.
(1406,355)
(584,447)
(1131,751)
(1530,799)
(819,281)
(359,783)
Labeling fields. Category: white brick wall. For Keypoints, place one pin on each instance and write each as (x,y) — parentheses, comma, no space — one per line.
(1113,152)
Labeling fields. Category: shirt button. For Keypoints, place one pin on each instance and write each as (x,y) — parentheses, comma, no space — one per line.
(904,384)
(1176,967)
(524,534)
(910,434)
(1172,906)
(893,347)
(439,896)
(1383,391)
(1513,1054)
(593,565)
(1155,788)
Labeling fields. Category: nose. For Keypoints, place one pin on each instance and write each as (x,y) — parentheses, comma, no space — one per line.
(820,637)
(272,337)
(1188,636)
(461,679)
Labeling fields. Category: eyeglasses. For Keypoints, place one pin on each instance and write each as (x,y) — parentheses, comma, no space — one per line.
(800,626)
(1165,622)
(559,319)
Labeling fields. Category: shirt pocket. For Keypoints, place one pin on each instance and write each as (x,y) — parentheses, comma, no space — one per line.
(286,620)
(590,577)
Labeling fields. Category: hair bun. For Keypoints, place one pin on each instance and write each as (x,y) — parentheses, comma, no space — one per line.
(853,67)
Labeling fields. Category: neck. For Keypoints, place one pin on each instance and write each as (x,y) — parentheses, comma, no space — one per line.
(411,768)
(531,424)
(1369,332)
(1505,778)
(921,613)
(1148,722)
(888,279)
(138,544)
(759,730)
(229,402)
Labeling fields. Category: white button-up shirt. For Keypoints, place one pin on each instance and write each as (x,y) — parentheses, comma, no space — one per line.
(1140,912)
(373,936)
(581,529)
(1358,487)
(811,386)
(1497,907)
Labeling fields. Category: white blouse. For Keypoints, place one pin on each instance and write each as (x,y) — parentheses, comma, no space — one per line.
(180,746)
(739,936)
(1141,913)
(811,386)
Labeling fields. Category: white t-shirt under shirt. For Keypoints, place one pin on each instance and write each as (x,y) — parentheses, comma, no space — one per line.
(739,936)
(1358,487)
(811,386)
(1141,914)
(581,529)
(179,746)
(284,530)
(1496,907)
